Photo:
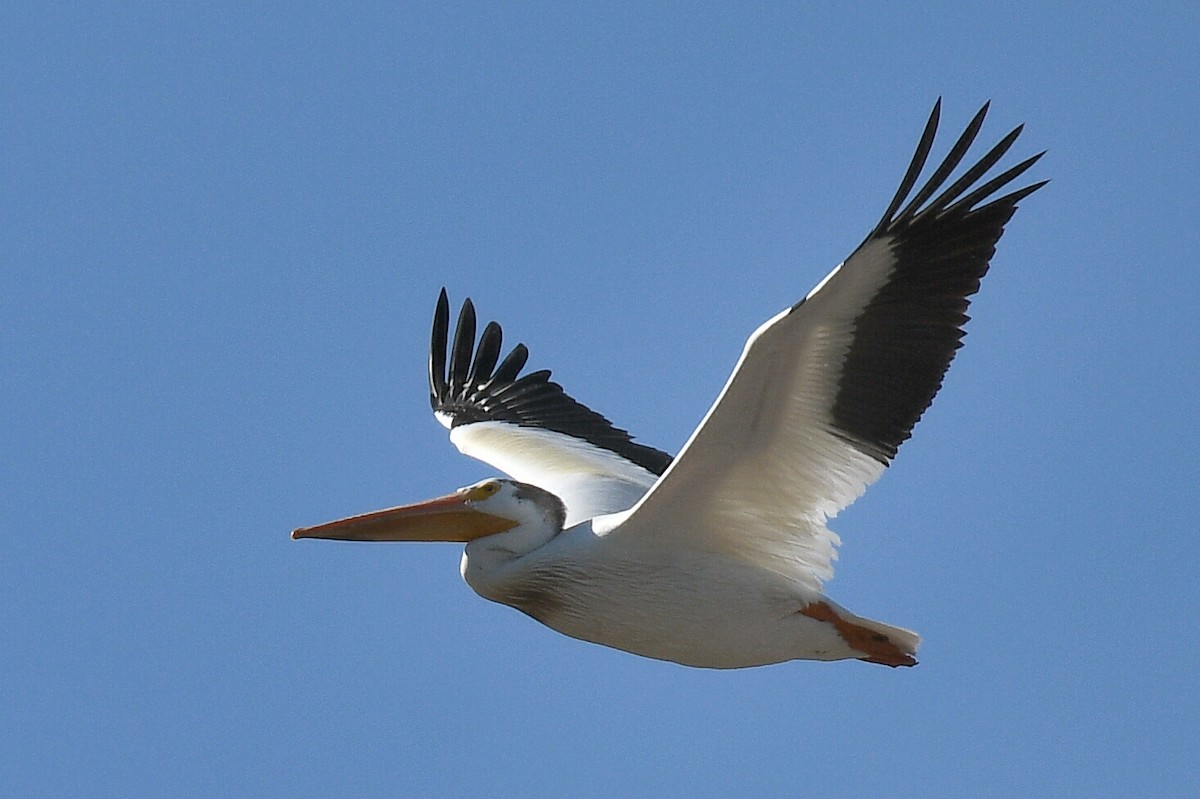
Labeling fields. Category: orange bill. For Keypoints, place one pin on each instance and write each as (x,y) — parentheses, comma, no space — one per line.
(447,518)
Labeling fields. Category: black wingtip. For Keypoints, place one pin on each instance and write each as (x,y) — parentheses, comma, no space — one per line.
(914,167)
(511,366)
(475,389)
(951,199)
(486,355)
(948,164)
(437,349)
(969,201)
(464,344)
(906,335)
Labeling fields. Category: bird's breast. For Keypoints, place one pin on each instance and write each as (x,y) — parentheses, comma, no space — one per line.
(695,608)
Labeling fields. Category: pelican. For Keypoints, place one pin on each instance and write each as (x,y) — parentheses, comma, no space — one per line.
(717,557)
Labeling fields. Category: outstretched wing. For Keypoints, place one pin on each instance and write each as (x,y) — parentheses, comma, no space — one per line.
(825,392)
(527,426)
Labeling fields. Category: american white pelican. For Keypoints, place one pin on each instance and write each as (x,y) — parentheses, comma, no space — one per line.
(716,558)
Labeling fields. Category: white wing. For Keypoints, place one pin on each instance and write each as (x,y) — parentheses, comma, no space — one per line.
(528,427)
(826,391)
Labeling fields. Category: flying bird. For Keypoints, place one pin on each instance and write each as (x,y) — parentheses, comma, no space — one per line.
(717,557)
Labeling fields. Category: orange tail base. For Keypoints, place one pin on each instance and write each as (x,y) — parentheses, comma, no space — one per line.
(876,646)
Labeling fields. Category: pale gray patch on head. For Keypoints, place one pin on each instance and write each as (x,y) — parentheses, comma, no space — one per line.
(556,510)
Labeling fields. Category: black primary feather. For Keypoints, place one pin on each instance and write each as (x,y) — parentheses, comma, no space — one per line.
(906,336)
(474,389)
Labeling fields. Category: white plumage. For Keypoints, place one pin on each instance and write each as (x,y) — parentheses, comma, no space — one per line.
(717,557)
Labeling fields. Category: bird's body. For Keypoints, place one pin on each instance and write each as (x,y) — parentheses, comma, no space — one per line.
(717,557)
(695,608)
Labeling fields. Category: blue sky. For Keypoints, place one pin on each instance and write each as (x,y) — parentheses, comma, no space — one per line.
(224,227)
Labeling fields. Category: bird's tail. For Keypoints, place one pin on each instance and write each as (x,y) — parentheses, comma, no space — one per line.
(879,642)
